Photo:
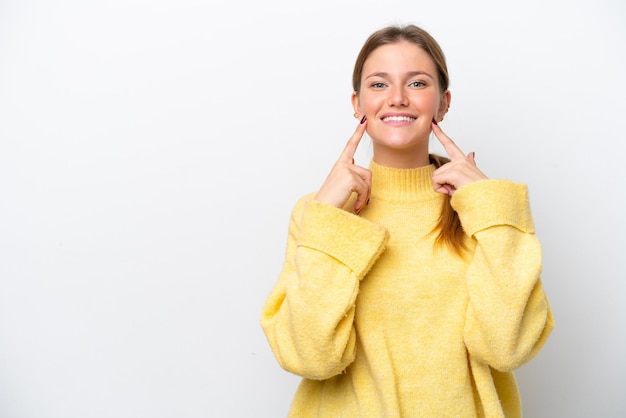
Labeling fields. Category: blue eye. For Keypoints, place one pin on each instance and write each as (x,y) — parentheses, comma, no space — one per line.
(378,85)
(417,84)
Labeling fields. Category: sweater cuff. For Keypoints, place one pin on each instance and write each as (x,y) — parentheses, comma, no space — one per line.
(354,241)
(488,203)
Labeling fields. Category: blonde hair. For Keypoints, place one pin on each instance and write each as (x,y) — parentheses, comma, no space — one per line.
(448,228)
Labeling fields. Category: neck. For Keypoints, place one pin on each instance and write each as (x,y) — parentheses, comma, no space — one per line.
(401,158)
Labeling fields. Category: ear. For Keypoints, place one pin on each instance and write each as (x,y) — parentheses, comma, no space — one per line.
(444,105)
(356,105)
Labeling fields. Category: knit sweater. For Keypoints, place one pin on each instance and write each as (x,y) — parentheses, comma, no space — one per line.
(380,322)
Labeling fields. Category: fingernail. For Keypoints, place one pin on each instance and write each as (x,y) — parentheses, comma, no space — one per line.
(435,122)
(363,119)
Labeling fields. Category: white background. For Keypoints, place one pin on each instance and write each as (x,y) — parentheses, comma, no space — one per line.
(151,152)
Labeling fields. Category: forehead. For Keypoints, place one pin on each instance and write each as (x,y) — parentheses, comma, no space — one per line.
(398,56)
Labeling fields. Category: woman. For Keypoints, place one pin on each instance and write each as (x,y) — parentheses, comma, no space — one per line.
(410,288)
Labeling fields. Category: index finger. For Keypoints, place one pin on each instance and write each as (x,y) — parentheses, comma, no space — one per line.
(348,152)
(448,144)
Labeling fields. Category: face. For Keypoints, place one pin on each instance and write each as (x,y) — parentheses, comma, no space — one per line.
(400,96)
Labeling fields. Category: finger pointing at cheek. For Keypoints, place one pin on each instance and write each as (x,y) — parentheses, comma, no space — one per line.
(461,169)
(346,178)
(448,144)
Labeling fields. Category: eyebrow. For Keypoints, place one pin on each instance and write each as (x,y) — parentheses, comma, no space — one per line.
(410,74)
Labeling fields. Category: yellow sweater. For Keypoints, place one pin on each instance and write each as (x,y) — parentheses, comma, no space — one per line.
(379,323)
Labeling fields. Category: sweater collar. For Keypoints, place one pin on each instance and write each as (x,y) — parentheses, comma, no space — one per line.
(402,185)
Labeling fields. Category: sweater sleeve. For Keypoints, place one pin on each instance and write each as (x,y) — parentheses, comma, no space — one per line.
(508,316)
(308,318)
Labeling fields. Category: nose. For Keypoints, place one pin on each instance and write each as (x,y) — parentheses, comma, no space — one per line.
(398,97)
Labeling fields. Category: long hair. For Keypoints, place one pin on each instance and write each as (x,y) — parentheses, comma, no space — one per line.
(448,229)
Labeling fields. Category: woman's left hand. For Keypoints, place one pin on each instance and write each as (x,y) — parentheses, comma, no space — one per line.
(461,169)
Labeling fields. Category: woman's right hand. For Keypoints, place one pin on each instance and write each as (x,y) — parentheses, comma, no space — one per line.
(346,178)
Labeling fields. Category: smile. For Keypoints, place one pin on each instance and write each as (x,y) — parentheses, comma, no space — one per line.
(398,119)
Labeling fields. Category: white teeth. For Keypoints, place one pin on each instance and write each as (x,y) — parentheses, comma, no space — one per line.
(398,119)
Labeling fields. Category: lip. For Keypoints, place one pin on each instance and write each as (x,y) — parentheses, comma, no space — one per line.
(400,118)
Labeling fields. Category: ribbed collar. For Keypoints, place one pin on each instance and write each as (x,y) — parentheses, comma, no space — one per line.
(402,185)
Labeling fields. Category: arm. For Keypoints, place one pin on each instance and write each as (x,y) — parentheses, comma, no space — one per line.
(508,316)
(308,316)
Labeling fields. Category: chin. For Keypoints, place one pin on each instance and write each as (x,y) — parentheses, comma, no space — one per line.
(399,137)
(400,142)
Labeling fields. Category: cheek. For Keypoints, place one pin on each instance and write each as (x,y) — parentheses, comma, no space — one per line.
(427,103)
(369,103)
(434,108)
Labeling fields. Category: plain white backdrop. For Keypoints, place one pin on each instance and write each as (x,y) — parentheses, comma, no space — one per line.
(151,152)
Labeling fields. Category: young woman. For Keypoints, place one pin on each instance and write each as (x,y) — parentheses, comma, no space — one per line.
(409,289)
